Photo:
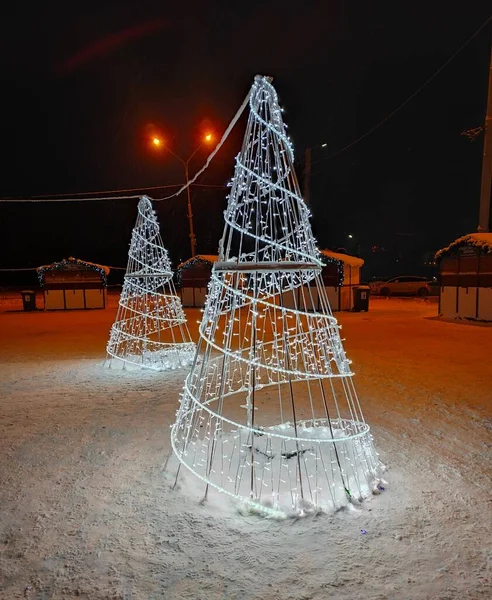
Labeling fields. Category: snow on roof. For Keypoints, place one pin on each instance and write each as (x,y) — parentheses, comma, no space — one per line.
(209,259)
(352,261)
(71,260)
(482,242)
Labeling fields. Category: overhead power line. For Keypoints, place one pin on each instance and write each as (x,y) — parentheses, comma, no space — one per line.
(411,97)
(65,199)
(78,196)
(98,195)
(99,192)
(139,189)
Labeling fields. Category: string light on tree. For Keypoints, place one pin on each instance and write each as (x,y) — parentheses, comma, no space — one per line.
(150,328)
(271,416)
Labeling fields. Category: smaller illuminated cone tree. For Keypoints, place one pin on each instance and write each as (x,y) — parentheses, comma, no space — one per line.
(270,415)
(150,328)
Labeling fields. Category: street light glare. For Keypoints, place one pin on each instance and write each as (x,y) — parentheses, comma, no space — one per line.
(156,141)
(208,137)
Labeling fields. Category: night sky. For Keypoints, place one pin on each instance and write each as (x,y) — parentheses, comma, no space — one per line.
(84,87)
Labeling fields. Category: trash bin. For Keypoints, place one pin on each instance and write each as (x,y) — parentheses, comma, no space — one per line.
(29,299)
(361,298)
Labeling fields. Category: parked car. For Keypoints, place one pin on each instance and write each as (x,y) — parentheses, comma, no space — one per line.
(406,285)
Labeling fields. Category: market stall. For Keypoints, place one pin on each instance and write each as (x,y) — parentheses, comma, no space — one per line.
(73,284)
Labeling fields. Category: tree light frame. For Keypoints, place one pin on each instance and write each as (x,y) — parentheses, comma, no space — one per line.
(269,414)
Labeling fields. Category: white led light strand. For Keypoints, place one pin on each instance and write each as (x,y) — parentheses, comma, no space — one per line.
(150,329)
(270,415)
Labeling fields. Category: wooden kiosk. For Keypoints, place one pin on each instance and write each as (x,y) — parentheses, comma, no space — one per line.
(192,277)
(340,275)
(465,268)
(73,284)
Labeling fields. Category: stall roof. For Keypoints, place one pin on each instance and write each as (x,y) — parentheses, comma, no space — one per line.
(351,261)
(482,242)
(208,259)
(66,262)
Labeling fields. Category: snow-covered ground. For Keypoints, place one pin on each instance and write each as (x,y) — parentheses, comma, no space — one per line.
(87,510)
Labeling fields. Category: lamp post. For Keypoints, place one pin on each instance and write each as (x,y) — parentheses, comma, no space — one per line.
(158,143)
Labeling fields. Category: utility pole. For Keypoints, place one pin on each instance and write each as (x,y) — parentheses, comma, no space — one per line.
(190,213)
(307,175)
(484,211)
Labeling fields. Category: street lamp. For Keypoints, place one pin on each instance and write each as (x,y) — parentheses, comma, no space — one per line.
(207,138)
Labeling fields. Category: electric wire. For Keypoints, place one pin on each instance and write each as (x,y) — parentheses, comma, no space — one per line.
(411,97)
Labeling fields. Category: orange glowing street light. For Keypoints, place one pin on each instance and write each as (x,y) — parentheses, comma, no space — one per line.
(207,138)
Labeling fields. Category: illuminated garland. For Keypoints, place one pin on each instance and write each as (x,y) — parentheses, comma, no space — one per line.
(270,416)
(150,328)
(66,263)
(328,260)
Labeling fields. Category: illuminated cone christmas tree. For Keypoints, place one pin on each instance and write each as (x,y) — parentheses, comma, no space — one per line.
(271,415)
(150,329)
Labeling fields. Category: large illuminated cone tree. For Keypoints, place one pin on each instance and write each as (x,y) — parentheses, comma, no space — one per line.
(270,415)
(150,328)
